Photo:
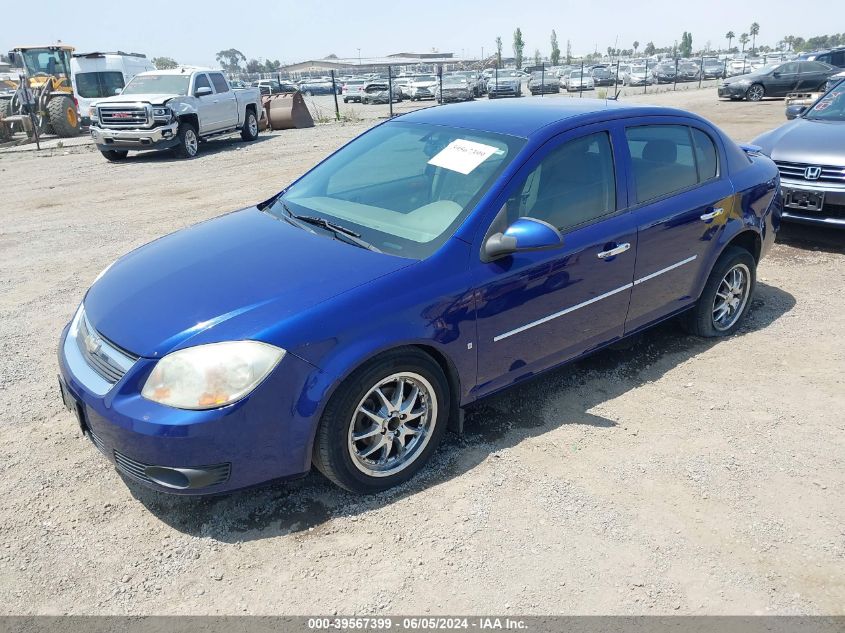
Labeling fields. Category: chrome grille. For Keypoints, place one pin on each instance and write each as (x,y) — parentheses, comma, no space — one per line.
(110,362)
(123,116)
(795,171)
(138,470)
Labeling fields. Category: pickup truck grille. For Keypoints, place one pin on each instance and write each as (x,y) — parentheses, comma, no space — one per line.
(795,171)
(123,116)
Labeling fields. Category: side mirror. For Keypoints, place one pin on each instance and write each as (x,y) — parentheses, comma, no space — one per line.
(117,91)
(13,59)
(202,92)
(795,111)
(526,234)
(776,74)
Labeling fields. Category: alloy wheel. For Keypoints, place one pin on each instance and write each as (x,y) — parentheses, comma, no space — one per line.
(392,424)
(731,297)
(191,142)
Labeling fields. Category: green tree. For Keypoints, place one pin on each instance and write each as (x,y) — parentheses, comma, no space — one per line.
(743,39)
(789,40)
(498,52)
(686,45)
(254,66)
(537,57)
(164,63)
(730,35)
(231,59)
(555,56)
(568,52)
(518,46)
(649,49)
(755,31)
(636,46)
(272,66)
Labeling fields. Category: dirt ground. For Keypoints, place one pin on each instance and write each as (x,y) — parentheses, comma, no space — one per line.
(676,475)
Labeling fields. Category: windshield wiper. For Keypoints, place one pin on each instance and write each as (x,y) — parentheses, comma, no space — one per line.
(340,231)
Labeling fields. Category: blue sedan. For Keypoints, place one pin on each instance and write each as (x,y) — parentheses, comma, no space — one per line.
(438,258)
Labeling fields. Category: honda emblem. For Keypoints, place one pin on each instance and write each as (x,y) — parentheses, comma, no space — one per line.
(812,173)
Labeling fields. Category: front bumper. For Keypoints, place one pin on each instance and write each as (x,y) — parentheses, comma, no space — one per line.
(265,436)
(732,91)
(832,212)
(161,137)
(503,91)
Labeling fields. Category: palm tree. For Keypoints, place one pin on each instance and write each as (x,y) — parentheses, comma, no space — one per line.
(743,39)
(789,40)
(755,31)
(636,46)
(730,35)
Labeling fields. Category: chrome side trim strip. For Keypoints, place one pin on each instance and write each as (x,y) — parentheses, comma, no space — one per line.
(664,270)
(610,293)
(561,313)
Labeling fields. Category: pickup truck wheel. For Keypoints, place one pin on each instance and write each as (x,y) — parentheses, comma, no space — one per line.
(383,422)
(249,132)
(726,296)
(188,141)
(114,155)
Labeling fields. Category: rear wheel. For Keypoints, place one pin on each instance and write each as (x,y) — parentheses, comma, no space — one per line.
(726,296)
(384,422)
(249,132)
(114,155)
(188,141)
(63,116)
(755,92)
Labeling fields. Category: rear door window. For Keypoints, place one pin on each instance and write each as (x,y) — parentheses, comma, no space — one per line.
(663,160)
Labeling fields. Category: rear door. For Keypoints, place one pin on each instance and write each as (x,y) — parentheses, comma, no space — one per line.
(539,308)
(680,204)
(226,101)
(813,76)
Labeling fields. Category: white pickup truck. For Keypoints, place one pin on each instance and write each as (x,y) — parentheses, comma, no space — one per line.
(173,109)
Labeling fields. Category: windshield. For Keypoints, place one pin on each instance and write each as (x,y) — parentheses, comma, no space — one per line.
(97,85)
(158,84)
(403,187)
(426,78)
(831,107)
(637,69)
(45,62)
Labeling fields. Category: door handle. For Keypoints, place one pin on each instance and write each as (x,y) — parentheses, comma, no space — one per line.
(715,213)
(614,251)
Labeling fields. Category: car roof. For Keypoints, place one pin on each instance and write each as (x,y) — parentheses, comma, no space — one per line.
(526,117)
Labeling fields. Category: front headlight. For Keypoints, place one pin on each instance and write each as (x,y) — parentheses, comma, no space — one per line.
(92,112)
(161,112)
(210,376)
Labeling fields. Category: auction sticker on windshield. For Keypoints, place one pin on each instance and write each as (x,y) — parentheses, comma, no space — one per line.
(463,156)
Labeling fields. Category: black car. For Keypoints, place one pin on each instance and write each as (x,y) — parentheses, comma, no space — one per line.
(603,77)
(664,73)
(777,80)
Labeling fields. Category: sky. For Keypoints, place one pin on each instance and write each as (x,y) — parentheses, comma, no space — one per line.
(192,32)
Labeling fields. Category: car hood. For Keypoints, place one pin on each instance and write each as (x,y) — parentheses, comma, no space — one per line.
(228,278)
(805,141)
(154,98)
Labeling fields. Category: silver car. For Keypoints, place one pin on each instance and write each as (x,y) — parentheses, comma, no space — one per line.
(810,154)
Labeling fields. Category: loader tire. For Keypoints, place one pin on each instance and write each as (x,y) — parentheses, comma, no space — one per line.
(63,117)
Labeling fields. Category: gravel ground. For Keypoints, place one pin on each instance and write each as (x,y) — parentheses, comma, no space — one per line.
(674,475)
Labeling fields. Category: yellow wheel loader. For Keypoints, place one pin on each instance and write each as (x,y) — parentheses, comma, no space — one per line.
(45,89)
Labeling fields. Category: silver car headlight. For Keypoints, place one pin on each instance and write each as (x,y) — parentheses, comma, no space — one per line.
(161,113)
(211,376)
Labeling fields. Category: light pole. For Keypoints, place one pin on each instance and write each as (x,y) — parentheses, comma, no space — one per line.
(359,59)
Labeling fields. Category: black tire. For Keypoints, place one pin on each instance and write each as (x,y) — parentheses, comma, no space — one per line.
(332,454)
(114,155)
(64,118)
(345,100)
(186,147)
(249,132)
(700,319)
(755,92)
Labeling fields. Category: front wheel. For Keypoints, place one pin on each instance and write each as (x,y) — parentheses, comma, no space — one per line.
(726,296)
(249,132)
(188,141)
(384,422)
(755,92)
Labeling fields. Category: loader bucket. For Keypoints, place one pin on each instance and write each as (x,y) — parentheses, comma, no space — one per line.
(289,111)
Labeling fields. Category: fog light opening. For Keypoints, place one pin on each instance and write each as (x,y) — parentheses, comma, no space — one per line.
(167,477)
